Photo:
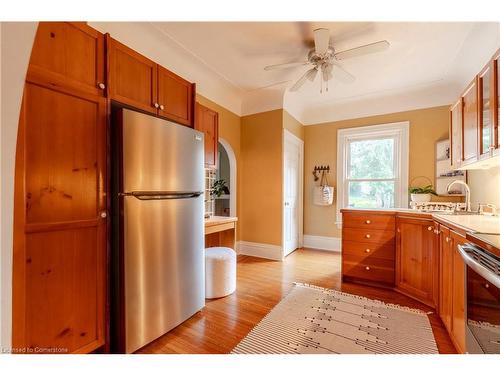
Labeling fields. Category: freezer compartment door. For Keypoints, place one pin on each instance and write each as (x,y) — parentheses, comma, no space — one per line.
(159,155)
(164,266)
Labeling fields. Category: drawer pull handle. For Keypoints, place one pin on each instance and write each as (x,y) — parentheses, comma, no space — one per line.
(367,236)
(367,250)
(429,228)
(367,268)
(368,222)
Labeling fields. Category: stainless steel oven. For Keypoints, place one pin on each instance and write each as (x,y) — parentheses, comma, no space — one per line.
(482,299)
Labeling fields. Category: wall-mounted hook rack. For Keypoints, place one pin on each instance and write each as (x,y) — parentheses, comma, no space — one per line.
(320,168)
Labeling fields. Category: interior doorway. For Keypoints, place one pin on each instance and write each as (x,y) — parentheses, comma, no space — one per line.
(225,203)
(293,176)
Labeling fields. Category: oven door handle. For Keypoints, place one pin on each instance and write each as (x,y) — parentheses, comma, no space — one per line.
(477,267)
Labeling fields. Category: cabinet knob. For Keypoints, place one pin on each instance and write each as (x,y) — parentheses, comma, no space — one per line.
(162,107)
(156,105)
(367,222)
(367,236)
(101,85)
(429,228)
(367,250)
(367,268)
(447,239)
(104,214)
(486,285)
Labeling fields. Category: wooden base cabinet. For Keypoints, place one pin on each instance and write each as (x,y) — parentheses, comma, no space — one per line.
(417,259)
(446,277)
(458,305)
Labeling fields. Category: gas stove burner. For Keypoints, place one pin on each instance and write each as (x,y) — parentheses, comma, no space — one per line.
(437,206)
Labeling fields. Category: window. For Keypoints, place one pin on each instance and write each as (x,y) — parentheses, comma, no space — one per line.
(372,169)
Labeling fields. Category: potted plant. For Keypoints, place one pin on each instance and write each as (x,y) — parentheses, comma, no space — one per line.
(422,194)
(219,187)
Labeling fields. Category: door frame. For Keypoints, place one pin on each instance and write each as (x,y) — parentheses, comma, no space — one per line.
(290,137)
(232,175)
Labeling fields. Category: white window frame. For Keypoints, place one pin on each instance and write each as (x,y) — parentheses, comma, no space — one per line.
(400,132)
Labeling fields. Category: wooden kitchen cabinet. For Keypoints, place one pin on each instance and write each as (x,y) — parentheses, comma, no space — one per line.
(446,277)
(132,78)
(485,112)
(417,259)
(456,134)
(175,97)
(368,252)
(470,123)
(59,257)
(458,305)
(69,55)
(207,121)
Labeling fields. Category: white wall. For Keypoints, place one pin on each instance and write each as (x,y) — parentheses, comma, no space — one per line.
(16,43)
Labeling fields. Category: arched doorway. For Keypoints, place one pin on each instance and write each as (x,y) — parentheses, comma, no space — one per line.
(227,171)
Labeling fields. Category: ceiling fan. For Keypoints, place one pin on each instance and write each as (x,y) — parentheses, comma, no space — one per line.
(325,59)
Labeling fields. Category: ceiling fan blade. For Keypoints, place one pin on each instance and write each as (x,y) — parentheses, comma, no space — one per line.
(342,74)
(321,40)
(309,75)
(286,65)
(363,50)
(326,69)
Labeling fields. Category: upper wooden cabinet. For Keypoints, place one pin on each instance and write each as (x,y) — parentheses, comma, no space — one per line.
(175,97)
(132,77)
(70,55)
(207,121)
(456,134)
(485,111)
(136,81)
(470,124)
(417,259)
(495,104)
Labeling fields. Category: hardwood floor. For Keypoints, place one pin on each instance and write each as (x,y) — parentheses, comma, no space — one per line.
(261,284)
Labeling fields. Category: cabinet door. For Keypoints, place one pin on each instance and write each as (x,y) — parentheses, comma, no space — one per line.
(469,124)
(176,97)
(207,121)
(456,134)
(485,110)
(458,309)
(59,232)
(69,54)
(495,87)
(132,77)
(445,277)
(415,259)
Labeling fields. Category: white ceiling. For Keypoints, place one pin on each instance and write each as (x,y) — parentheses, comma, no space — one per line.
(427,64)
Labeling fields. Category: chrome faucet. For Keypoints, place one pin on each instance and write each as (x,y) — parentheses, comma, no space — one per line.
(467,192)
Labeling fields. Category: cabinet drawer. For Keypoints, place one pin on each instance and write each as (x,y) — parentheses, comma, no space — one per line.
(366,250)
(371,269)
(378,236)
(369,221)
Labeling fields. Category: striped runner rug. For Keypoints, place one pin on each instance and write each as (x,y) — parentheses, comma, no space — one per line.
(314,320)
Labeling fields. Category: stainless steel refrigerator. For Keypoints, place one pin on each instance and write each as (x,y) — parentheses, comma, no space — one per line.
(159,237)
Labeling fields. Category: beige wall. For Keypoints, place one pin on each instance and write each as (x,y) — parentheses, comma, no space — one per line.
(229,130)
(261,185)
(426,127)
(293,125)
(485,186)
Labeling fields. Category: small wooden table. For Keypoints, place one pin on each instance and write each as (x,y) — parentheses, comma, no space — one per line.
(220,231)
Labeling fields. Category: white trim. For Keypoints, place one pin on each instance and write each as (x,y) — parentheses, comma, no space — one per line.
(401,132)
(289,136)
(232,176)
(260,250)
(323,243)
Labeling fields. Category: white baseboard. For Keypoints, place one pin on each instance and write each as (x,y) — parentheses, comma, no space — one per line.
(323,243)
(260,250)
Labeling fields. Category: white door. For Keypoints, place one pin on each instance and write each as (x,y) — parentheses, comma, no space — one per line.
(291,192)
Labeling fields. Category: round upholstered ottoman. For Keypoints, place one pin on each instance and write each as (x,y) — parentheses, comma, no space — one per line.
(220,272)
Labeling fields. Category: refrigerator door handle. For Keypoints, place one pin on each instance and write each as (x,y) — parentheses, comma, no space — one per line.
(162,195)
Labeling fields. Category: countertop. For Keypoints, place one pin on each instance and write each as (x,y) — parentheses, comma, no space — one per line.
(216,220)
(472,223)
